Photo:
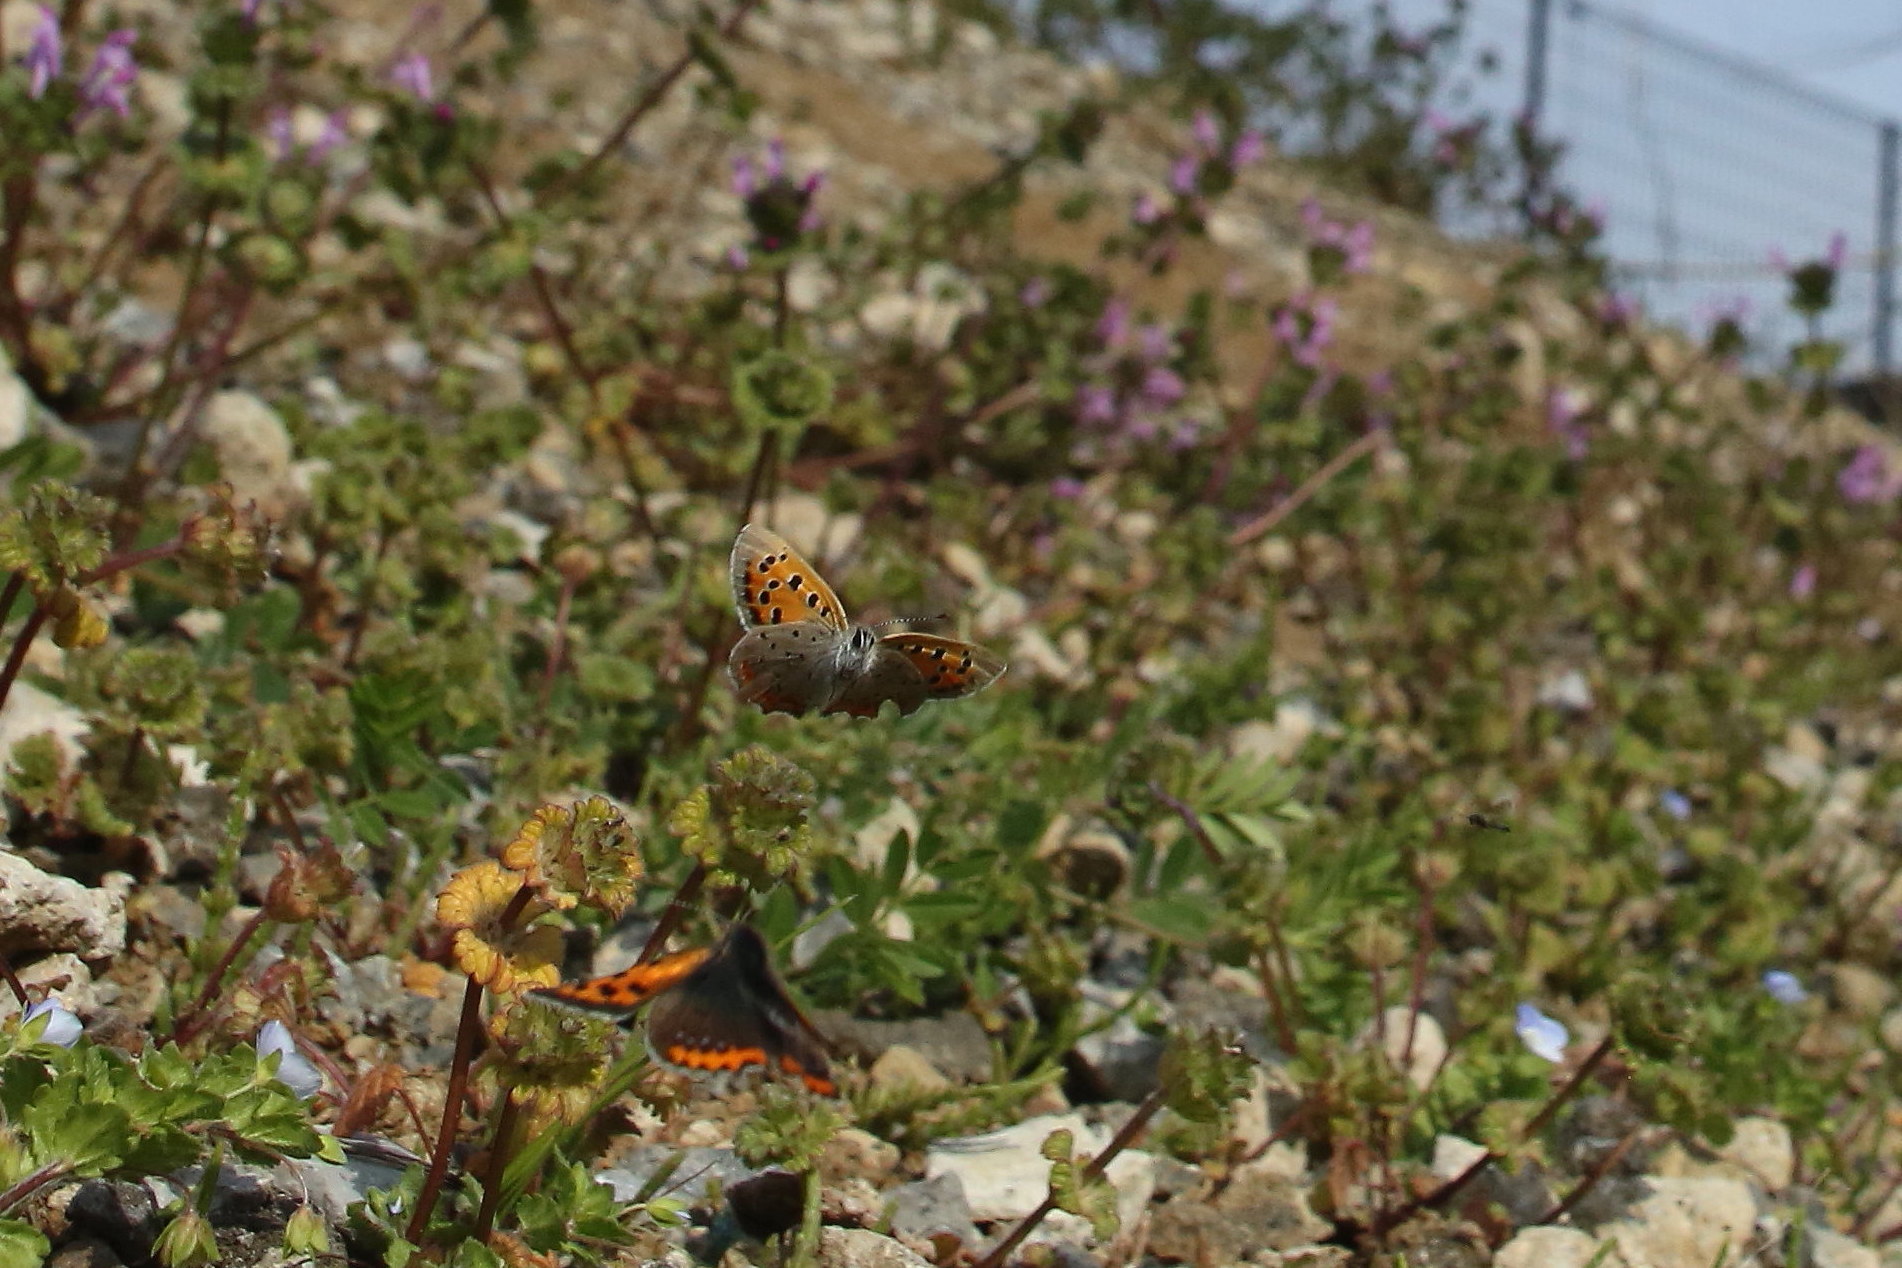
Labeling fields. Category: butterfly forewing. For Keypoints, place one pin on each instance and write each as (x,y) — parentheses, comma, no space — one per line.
(772,585)
(623,992)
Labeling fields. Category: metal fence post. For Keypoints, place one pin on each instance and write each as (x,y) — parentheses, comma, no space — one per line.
(1538,42)
(1890,154)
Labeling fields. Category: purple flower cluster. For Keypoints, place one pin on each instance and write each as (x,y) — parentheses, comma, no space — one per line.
(780,209)
(1304,326)
(1208,167)
(1868,479)
(1134,388)
(107,83)
(1334,246)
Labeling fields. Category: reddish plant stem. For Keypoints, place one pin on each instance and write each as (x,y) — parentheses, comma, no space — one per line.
(1281,510)
(1124,1137)
(438,1172)
(193,1021)
(655,94)
(675,912)
(11,592)
(501,1147)
(13,982)
(30,1184)
(17,656)
(1588,1181)
(1452,1187)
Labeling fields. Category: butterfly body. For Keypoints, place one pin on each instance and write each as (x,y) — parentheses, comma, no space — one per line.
(801,655)
(713,1009)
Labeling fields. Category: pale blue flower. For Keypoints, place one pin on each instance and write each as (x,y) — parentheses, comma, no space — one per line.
(1675,804)
(62,1027)
(1543,1037)
(294,1071)
(1784,987)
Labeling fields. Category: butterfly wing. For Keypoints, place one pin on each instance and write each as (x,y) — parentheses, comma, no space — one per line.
(785,668)
(772,585)
(623,992)
(887,676)
(731,1013)
(947,668)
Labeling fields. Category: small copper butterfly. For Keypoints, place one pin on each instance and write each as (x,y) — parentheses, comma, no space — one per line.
(714,1008)
(800,654)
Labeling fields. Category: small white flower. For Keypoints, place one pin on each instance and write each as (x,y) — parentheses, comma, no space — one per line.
(62,1027)
(293,1070)
(1543,1037)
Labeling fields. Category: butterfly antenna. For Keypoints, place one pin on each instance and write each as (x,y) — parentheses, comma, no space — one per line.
(908,621)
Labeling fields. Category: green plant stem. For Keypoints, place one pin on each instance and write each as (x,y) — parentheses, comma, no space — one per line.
(32,1183)
(17,656)
(187,1027)
(501,1146)
(1124,1138)
(806,1242)
(466,1029)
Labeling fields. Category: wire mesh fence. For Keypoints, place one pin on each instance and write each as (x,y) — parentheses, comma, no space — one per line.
(1712,174)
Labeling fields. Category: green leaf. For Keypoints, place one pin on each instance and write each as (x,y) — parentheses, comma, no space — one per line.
(22,1246)
(1175,916)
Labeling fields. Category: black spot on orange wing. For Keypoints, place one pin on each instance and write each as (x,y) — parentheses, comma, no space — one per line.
(627,990)
(950,667)
(763,564)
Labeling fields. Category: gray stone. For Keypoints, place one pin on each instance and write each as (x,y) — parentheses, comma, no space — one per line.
(1685,1223)
(934,1213)
(690,1175)
(953,1043)
(1005,1175)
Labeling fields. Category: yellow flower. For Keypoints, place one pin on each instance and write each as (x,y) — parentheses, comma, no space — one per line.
(490,911)
(580,853)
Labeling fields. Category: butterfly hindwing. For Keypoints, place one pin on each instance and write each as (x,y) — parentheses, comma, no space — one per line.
(731,1013)
(947,667)
(784,668)
(773,585)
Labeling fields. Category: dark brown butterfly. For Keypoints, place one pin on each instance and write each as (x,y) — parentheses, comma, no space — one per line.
(714,1008)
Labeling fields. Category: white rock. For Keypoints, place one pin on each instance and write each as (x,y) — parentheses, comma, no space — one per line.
(1568,691)
(1452,1155)
(1005,1175)
(863,1248)
(871,842)
(1762,1146)
(1547,1246)
(1686,1223)
(16,407)
(254,451)
(1830,1249)
(39,911)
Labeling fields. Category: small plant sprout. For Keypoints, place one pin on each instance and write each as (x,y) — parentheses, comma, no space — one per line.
(1543,1036)
(791,1129)
(292,1068)
(1784,987)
